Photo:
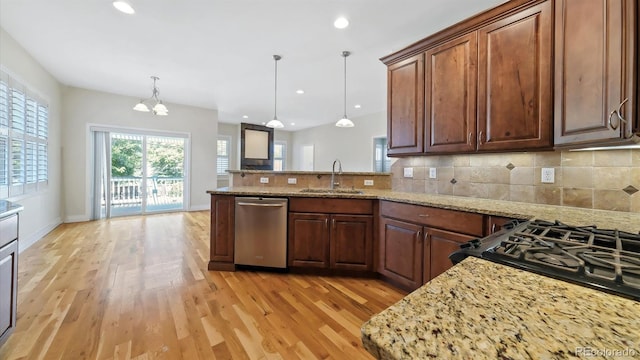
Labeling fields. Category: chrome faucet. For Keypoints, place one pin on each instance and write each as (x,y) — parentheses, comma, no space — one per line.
(333,173)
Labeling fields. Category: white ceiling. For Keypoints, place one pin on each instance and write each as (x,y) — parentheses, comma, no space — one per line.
(217,54)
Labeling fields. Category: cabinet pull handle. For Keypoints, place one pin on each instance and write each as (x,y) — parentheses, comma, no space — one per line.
(621,118)
(493,227)
(326,223)
(625,121)
(419,236)
(423,215)
(333,223)
(426,237)
(469,138)
(480,138)
(614,127)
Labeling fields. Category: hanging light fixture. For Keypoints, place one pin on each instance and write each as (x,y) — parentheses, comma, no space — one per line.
(158,108)
(275,123)
(345,122)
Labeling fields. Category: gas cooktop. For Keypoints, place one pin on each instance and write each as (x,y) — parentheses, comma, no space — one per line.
(607,260)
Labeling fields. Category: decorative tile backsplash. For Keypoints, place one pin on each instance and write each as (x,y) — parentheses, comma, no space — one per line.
(608,180)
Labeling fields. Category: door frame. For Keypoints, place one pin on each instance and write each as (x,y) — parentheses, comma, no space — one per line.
(91,127)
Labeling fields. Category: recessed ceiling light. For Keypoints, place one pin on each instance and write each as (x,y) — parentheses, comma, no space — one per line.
(245,116)
(357,106)
(263,123)
(124,7)
(341,23)
(299,91)
(293,124)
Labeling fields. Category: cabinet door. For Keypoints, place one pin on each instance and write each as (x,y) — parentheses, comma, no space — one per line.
(308,244)
(514,86)
(593,66)
(8,289)
(401,253)
(443,243)
(405,106)
(222,228)
(351,242)
(451,82)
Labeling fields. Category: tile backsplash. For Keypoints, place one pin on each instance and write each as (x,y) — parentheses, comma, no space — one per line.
(608,180)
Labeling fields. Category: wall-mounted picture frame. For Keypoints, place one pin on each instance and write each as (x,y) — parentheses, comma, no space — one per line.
(256,147)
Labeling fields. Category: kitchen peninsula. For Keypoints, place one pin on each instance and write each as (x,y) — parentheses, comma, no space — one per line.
(476,309)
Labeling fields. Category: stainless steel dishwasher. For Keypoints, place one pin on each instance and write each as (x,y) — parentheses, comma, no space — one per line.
(261,232)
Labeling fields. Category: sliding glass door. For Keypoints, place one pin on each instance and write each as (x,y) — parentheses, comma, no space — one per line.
(146,174)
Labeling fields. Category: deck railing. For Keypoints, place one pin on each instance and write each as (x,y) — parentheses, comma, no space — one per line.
(161,191)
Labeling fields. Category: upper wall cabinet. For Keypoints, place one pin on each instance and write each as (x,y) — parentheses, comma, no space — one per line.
(405,110)
(515,81)
(487,84)
(595,71)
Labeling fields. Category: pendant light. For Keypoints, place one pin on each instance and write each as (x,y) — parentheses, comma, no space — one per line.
(158,107)
(275,123)
(345,122)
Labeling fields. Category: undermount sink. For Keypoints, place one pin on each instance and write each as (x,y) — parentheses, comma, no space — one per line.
(332,191)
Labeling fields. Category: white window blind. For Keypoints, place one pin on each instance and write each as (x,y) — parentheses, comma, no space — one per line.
(24,129)
(223,150)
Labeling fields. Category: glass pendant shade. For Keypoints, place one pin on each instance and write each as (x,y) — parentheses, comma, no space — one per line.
(159,107)
(275,123)
(345,122)
(141,107)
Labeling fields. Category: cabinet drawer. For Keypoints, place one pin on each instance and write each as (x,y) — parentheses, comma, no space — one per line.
(452,220)
(8,229)
(331,206)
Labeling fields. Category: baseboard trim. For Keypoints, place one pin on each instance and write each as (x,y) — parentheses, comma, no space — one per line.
(25,242)
(76,218)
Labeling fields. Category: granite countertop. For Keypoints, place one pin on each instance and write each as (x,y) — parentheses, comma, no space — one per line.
(301,172)
(483,310)
(626,221)
(8,208)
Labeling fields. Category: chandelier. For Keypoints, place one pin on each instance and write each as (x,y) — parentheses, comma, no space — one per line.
(158,108)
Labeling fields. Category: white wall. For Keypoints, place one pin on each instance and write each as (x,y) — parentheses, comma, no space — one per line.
(83,107)
(353,146)
(42,211)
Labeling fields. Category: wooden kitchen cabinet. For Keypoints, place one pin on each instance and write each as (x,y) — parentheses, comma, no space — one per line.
(596,71)
(405,106)
(334,234)
(401,253)
(451,86)
(222,233)
(415,241)
(308,244)
(515,81)
(441,244)
(351,242)
(488,84)
(8,275)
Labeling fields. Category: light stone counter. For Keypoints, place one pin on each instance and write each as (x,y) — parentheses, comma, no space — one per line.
(483,310)
(626,221)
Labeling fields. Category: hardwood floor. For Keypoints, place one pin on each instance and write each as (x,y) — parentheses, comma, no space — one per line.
(139,288)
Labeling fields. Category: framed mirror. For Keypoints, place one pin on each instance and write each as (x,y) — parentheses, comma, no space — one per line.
(256,147)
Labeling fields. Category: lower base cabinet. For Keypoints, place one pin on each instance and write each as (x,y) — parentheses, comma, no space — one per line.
(8,275)
(441,244)
(401,248)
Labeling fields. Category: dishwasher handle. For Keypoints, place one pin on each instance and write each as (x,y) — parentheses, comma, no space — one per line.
(260,205)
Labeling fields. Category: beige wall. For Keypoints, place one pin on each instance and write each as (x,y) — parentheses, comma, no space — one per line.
(353,146)
(83,107)
(42,211)
(607,180)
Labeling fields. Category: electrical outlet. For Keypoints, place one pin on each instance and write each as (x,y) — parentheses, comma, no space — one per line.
(548,175)
(432,173)
(264,180)
(408,172)
(368,183)
(292,181)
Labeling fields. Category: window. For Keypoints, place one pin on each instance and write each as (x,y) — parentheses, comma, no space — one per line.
(24,128)
(224,150)
(279,155)
(381,162)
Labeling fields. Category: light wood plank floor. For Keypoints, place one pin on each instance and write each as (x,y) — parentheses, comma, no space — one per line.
(139,288)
